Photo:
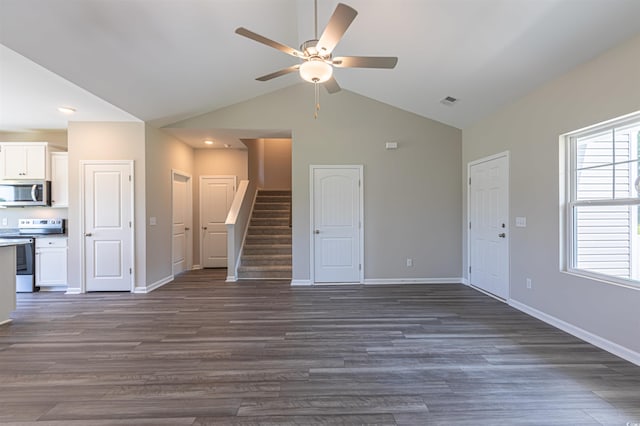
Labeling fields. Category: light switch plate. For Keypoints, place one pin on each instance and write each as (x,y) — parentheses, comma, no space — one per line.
(152,221)
(521,222)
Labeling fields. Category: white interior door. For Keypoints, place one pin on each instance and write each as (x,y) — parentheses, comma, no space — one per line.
(489,225)
(216,196)
(181,226)
(336,224)
(107,194)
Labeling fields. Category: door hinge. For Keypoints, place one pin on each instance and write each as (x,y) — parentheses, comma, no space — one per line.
(469,181)
(130,271)
(359,183)
(129,178)
(469,225)
(360,267)
(129,224)
(469,269)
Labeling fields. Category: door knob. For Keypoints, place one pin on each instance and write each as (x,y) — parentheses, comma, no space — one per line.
(204,227)
(88,234)
(502,235)
(187,229)
(317,231)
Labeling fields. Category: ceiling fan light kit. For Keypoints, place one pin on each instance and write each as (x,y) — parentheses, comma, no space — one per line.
(316,71)
(317,62)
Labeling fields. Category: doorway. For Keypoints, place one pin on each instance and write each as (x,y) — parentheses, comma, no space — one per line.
(489,225)
(106,200)
(181,235)
(216,196)
(336,224)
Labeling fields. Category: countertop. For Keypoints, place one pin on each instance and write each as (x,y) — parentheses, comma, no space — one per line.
(6,242)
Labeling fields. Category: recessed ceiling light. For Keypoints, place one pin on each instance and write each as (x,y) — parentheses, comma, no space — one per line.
(66,110)
(208,142)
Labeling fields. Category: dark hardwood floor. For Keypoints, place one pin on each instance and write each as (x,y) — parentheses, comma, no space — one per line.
(201,351)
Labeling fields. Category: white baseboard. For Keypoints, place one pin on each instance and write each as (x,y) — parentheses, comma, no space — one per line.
(464,281)
(231,279)
(391,281)
(156,285)
(53,288)
(196,267)
(602,343)
(385,281)
(73,290)
(7,321)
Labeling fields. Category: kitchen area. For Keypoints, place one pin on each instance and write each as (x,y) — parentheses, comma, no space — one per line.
(33,217)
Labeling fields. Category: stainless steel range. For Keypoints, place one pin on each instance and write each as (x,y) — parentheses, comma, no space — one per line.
(30,229)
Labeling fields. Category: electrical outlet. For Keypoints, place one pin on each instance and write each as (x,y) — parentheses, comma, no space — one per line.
(409,261)
(529,285)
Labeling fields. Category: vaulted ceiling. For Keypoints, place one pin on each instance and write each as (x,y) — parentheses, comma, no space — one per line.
(165,60)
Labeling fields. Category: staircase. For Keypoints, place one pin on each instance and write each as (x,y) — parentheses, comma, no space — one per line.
(267,247)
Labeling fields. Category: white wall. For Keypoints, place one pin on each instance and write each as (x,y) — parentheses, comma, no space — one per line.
(106,141)
(163,153)
(57,138)
(605,88)
(270,162)
(277,164)
(412,195)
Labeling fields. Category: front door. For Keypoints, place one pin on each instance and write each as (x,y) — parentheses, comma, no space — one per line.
(489,225)
(216,196)
(336,224)
(181,227)
(107,202)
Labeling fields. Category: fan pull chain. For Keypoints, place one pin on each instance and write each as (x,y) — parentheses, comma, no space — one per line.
(316,88)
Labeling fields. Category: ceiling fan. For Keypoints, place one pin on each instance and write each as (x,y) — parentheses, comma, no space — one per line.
(316,55)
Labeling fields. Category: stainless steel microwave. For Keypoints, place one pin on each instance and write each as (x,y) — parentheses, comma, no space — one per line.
(25,193)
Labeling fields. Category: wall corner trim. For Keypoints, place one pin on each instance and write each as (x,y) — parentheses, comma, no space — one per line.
(231,279)
(301,283)
(154,286)
(600,342)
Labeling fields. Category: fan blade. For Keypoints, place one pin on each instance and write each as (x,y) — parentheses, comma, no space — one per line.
(278,73)
(342,17)
(365,61)
(331,85)
(261,39)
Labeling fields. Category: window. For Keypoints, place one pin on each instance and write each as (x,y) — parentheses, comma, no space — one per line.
(603,201)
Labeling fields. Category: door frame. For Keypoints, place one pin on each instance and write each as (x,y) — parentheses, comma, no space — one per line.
(505,154)
(132,228)
(189,236)
(200,225)
(312,255)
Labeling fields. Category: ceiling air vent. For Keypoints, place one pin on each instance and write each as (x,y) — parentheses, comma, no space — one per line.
(449,101)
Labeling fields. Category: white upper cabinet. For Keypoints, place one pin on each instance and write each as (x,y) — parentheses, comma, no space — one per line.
(59,179)
(23,161)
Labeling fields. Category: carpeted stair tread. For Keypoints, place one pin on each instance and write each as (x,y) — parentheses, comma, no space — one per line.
(269,230)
